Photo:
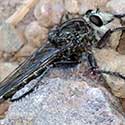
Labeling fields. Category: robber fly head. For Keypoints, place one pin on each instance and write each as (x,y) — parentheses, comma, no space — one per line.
(99,18)
(99,21)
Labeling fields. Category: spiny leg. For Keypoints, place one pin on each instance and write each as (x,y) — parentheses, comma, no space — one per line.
(119,15)
(92,63)
(116,74)
(95,69)
(105,38)
(122,28)
(102,43)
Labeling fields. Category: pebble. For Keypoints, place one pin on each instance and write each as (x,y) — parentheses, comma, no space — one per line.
(35,34)
(10,40)
(26,51)
(3,108)
(116,6)
(49,12)
(72,6)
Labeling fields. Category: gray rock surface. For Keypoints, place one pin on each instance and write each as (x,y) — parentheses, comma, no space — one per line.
(9,40)
(66,102)
(116,6)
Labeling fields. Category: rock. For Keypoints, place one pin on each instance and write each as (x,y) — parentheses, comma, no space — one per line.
(121,47)
(3,108)
(66,102)
(81,6)
(110,60)
(118,8)
(49,12)
(85,5)
(6,68)
(9,40)
(26,51)
(35,34)
(72,6)
(8,7)
(115,37)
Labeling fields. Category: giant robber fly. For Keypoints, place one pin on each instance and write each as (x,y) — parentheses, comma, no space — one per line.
(66,44)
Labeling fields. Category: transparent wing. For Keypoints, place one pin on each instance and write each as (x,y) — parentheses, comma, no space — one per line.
(40,58)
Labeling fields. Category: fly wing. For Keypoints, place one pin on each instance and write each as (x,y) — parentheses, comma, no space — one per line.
(38,59)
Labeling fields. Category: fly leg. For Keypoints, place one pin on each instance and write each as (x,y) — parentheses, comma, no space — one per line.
(28,89)
(116,74)
(92,65)
(119,15)
(91,61)
(102,43)
(105,38)
(94,69)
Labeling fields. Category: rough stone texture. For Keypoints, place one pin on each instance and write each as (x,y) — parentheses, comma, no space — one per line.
(90,4)
(110,60)
(66,102)
(72,6)
(3,108)
(7,7)
(116,6)
(49,12)
(6,68)
(35,34)
(121,47)
(9,40)
(27,50)
(81,6)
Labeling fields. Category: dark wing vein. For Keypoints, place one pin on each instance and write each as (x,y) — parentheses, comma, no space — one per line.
(25,69)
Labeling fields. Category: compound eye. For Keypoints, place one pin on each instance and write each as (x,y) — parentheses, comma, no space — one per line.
(95,19)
